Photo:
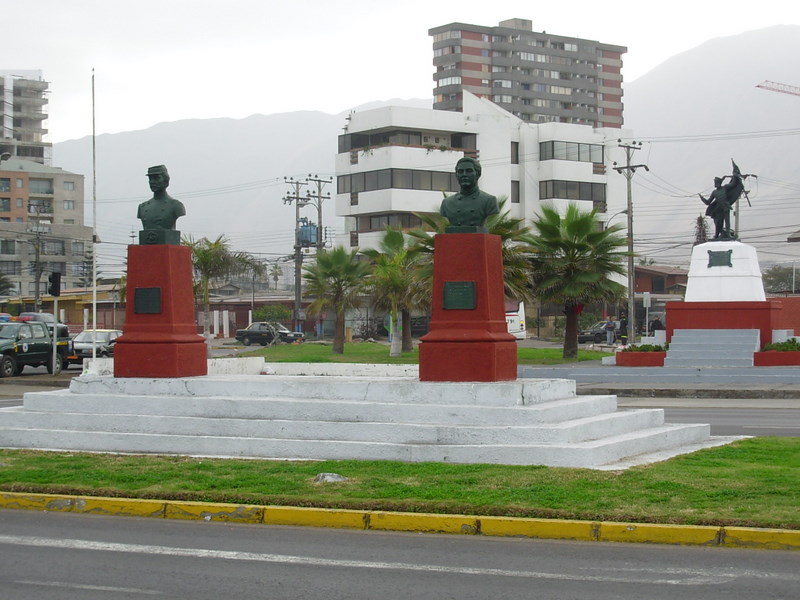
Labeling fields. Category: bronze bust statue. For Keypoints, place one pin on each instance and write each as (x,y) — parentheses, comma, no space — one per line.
(159,214)
(471,206)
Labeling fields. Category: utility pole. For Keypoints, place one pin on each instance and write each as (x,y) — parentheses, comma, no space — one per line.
(317,200)
(628,171)
(297,318)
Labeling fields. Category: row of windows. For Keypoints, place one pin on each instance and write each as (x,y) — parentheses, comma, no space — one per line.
(544,58)
(403,179)
(34,206)
(449,81)
(357,141)
(556,150)
(14,267)
(36,186)
(380,222)
(50,247)
(572,190)
(447,35)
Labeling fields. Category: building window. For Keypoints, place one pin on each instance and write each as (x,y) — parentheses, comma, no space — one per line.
(404,179)
(54,247)
(353,239)
(41,186)
(69,204)
(573,190)
(56,267)
(20,202)
(558,150)
(501,83)
(5,184)
(449,81)
(381,221)
(514,153)
(353,198)
(8,247)
(20,184)
(10,267)
(5,219)
(69,186)
(69,221)
(514,192)
(5,204)
(501,99)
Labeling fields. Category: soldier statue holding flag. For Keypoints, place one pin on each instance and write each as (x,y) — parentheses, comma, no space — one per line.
(721,201)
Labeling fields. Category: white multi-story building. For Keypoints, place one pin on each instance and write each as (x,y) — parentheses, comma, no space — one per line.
(23,113)
(395,161)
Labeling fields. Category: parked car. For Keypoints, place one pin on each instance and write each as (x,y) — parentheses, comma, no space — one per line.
(596,333)
(82,344)
(28,343)
(263,332)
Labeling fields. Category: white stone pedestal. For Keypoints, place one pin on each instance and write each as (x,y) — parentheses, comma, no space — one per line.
(724,272)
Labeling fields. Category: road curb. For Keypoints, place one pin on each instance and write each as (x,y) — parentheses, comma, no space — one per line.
(553,529)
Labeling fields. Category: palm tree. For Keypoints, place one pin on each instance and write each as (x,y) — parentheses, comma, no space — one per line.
(392,283)
(214,260)
(275,272)
(336,278)
(574,262)
(517,248)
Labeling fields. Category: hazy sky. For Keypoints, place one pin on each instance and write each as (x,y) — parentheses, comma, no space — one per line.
(167,60)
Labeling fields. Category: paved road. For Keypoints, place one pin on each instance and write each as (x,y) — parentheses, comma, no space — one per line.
(70,556)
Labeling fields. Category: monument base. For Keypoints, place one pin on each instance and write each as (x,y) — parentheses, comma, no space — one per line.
(724,315)
(161,360)
(468,338)
(468,361)
(160,337)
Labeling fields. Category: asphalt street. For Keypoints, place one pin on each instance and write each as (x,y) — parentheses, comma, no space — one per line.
(68,556)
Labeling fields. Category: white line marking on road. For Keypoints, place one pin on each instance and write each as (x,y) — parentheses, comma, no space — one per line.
(669,577)
(93,588)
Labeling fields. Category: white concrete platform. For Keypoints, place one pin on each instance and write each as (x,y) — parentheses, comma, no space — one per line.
(376,416)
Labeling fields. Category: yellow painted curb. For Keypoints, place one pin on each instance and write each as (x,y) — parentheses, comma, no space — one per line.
(606,531)
(658,534)
(126,507)
(36,501)
(423,522)
(314,517)
(205,511)
(750,537)
(538,528)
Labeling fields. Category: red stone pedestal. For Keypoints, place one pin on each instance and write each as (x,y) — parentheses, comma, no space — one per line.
(763,316)
(160,336)
(468,338)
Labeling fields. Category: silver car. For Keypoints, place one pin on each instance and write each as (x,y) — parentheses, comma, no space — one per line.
(82,344)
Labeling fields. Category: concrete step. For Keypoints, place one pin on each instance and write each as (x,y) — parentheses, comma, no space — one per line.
(699,362)
(587,454)
(572,431)
(314,409)
(407,390)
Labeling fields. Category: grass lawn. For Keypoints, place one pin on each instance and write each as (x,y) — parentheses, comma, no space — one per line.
(364,352)
(753,482)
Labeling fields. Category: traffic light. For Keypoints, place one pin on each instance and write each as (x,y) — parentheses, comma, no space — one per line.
(54,288)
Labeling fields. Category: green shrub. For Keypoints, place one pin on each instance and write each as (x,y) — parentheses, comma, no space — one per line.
(790,345)
(646,348)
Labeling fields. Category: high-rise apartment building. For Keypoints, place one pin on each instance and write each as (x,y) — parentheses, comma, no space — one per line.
(23,103)
(537,76)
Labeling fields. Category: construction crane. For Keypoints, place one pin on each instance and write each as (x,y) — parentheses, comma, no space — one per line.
(779,87)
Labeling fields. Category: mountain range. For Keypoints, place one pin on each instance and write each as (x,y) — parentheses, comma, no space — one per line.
(693,114)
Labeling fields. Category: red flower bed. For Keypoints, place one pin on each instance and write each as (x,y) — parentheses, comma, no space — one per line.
(641,359)
(774,358)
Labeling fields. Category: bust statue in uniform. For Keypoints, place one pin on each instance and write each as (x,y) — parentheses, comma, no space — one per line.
(471,206)
(161,211)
